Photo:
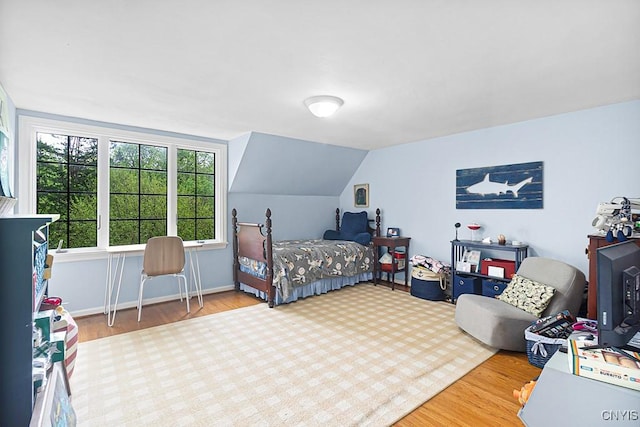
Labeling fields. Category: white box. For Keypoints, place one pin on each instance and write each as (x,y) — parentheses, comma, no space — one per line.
(604,364)
(495,271)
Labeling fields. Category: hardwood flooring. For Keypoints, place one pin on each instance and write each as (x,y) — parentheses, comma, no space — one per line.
(483,397)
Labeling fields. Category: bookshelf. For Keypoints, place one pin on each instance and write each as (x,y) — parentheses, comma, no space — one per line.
(465,281)
(23,249)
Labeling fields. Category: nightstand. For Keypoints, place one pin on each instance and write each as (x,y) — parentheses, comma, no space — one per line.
(391,243)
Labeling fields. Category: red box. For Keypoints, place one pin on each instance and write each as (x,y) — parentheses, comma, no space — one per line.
(400,259)
(508,266)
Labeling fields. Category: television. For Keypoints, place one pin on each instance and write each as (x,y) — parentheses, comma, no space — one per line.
(618,294)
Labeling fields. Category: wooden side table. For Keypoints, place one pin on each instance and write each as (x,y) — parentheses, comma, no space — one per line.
(391,243)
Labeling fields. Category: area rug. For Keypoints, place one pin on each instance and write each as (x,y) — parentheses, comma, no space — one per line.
(359,356)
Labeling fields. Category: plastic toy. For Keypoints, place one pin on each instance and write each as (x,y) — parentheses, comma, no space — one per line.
(615,219)
(523,394)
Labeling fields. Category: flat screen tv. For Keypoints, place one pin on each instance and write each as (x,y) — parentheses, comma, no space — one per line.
(618,295)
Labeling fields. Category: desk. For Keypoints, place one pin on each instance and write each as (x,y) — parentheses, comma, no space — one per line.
(114,273)
(561,398)
(391,243)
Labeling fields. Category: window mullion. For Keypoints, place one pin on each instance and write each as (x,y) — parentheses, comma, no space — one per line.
(172,191)
(103,191)
(68,192)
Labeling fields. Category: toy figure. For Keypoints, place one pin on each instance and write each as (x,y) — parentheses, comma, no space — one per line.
(615,219)
(523,394)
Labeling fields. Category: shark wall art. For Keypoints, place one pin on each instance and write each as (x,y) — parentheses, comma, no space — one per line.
(517,186)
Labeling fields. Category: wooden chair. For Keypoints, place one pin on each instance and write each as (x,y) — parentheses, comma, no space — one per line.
(163,256)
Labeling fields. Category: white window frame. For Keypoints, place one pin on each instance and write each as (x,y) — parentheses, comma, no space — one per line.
(28,126)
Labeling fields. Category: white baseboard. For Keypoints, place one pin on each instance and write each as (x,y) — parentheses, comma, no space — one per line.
(132,304)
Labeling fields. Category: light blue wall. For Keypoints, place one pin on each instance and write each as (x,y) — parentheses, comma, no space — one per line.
(236,149)
(271,164)
(81,284)
(589,156)
(293,217)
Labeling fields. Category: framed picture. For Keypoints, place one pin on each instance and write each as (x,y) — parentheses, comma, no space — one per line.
(473,259)
(361,195)
(510,186)
(393,232)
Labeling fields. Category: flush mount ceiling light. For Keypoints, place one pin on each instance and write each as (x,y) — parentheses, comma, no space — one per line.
(324,105)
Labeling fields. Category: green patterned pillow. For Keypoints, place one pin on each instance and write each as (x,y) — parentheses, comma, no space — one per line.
(527,295)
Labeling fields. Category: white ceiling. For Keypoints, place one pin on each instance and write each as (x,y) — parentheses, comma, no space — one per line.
(407,70)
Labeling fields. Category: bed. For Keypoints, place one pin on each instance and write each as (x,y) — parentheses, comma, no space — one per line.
(285,271)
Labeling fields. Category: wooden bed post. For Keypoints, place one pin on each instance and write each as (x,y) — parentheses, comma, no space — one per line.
(378,222)
(269,257)
(236,262)
(337,219)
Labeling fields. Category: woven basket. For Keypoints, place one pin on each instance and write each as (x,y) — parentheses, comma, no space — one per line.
(539,348)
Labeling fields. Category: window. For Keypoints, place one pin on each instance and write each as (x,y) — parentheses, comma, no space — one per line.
(196,194)
(115,187)
(67,184)
(138,193)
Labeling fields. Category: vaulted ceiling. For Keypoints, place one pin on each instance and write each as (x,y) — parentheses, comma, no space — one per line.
(407,70)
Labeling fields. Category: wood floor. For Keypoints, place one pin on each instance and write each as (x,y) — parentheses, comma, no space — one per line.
(483,397)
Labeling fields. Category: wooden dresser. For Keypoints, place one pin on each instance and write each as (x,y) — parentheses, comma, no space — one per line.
(596,241)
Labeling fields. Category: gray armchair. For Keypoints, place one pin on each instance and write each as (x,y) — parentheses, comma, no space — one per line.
(501,325)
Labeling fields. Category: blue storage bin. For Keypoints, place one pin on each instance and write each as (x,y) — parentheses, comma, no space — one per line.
(492,288)
(466,285)
(427,289)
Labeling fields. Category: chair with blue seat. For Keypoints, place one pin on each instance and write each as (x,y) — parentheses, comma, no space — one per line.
(163,256)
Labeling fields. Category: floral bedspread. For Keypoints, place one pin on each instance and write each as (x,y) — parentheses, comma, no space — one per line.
(298,262)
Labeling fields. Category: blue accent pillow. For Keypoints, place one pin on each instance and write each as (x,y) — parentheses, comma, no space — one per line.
(354,227)
(332,235)
(362,238)
(354,223)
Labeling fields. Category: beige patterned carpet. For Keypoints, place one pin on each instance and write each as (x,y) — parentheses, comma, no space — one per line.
(363,355)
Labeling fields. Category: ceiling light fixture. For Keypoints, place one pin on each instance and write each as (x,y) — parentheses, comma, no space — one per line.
(323,105)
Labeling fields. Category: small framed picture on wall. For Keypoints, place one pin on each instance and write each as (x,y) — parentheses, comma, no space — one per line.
(361,195)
